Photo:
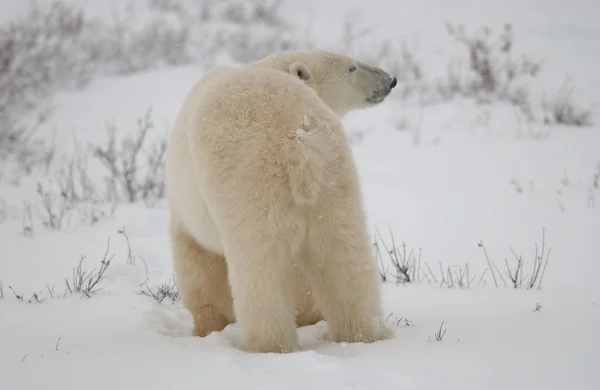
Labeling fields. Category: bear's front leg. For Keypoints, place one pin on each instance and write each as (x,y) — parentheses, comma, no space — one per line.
(344,277)
(260,276)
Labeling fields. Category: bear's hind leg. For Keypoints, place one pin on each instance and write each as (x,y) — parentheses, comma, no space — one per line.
(307,312)
(201,277)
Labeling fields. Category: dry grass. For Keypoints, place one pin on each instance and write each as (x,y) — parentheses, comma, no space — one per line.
(166,290)
(411,269)
(564,110)
(515,272)
(87,282)
(407,264)
(440,333)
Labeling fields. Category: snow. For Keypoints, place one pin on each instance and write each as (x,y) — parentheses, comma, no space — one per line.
(442,176)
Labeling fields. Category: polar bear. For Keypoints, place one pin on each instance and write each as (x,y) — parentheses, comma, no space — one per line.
(267,224)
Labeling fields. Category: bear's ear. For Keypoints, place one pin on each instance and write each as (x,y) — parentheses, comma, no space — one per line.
(301,71)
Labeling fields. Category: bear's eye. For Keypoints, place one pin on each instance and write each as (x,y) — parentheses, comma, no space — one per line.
(352,68)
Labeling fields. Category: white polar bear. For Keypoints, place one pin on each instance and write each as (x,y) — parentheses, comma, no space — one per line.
(267,222)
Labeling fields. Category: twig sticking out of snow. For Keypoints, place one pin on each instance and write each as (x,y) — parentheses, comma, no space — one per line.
(162,291)
(130,257)
(487,258)
(18,296)
(407,264)
(540,262)
(407,322)
(86,282)
(440,333)
(515,273)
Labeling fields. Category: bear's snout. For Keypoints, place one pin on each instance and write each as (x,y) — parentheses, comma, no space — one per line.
(394,82)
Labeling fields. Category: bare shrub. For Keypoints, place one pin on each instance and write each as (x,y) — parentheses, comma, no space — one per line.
(411,269)
(35,60)
(60,201)
(18,296)
(36,297)
(73,177)
(136,166)
(131,258)
(54,206)
(515,272)
(82,281)
(562,109)
(383,269)
(440,333)
(19,146)
(166,290)
(243,30)
(87,282)
(56,46)
(261,12)
(406,264)
(494,74)
(540,262)
(457,276)
(407,323)
(538,306)
(489,262)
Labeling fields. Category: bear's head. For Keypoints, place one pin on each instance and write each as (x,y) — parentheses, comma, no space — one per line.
(342,82)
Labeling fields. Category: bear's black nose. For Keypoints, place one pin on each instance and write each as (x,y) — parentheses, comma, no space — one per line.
(394,82)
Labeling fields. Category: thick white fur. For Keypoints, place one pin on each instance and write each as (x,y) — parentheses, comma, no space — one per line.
(267,221)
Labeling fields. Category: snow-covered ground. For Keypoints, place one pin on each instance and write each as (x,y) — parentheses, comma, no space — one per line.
(444,176)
